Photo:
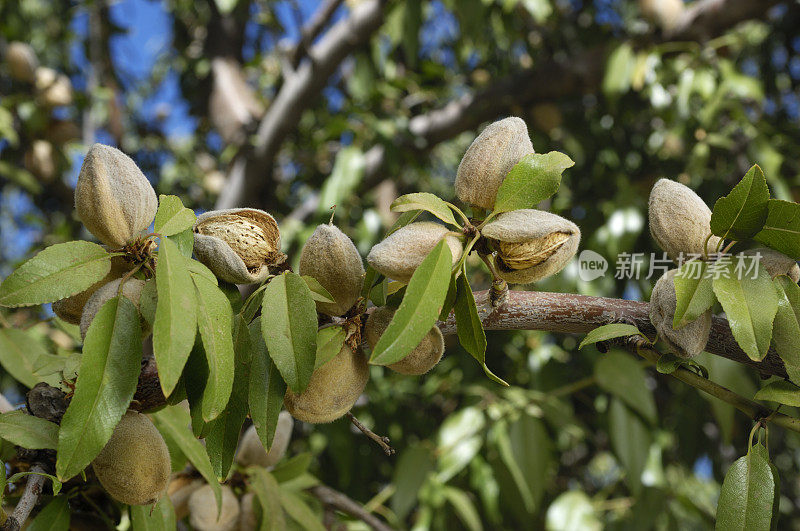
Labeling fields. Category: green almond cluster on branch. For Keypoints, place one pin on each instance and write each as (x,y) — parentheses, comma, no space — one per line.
(757,289)
(174,287)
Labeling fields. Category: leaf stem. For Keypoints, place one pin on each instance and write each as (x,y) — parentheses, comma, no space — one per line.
(459,212)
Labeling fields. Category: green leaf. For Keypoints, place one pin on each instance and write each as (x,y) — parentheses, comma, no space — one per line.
(694,291)
(28,431)
(214,318)
(610,331)
(419,310)
(54,517)
(107,378)
(525,449)
(782,228)
(347,172)
(19,353)
(266,388)
(572,510)
(425,201)
(175,323)
(621,375)
(292,468)
(223,434)
(747,494)
(749,303)
(619,70)
(57,485)
(158,517)
(267,492)
(172,217)
(630,439)
(329,343)
(173,423)
(318,291)
(184,241)
(762,451)
(469,326)
(535,178)
(741,214)
(463,507)
(449,300)
(786,327)
(300,512)
(289,326)
(780,391)
(412,470)
(58,272)
(668,363)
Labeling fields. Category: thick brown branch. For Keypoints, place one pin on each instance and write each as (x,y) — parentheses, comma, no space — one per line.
(337,500)
(551,80)
(570,313)
(312,30)
(251,177)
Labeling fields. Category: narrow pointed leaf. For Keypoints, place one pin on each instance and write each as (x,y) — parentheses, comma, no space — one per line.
(747,494)
(329,344)
(60,271)
(742,213)
(107,378)
(19,353)
(159,517)
(175,324)
(609,331)
(782,228)
(694,291)
(424,201)
(786,327)
(173,422)
(214,318)
(223,434)
(266,388)
(172,217)
(28,431)
(419,310)
(289,326)
(535,178)
(750,305)
(469,326)
(267,492)
(54,517)
(780,391)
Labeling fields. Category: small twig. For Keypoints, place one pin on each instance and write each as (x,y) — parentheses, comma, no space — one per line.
(340,501)
(28,500)
(754,410)
(383,442)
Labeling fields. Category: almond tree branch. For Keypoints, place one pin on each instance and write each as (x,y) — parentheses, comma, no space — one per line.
(250,177)
(751,408)
(571,313)
(312,30)
(342,502)
(28,500)
(554,80)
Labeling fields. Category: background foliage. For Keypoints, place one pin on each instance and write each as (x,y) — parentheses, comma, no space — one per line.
(199,94)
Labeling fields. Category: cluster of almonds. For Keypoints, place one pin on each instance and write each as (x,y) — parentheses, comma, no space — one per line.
(193,497)
(528,244)
(52,88)
(680,222)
